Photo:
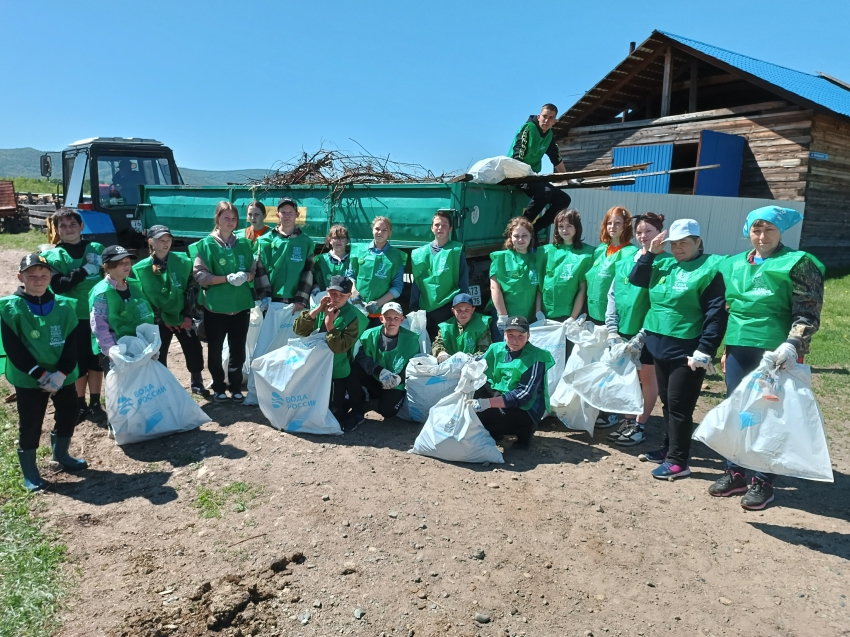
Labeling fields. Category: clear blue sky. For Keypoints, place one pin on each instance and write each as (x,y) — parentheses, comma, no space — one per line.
(243,84)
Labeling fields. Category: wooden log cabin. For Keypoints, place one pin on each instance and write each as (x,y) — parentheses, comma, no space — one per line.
(777,133)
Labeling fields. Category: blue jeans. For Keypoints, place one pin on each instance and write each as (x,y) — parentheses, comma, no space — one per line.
(740,361)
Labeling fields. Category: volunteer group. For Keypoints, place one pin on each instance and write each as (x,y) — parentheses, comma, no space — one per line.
(77,299)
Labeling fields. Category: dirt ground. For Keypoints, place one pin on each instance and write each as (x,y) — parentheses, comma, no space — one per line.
(353,535)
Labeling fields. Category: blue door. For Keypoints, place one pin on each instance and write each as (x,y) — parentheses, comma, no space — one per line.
(661,158)
(726,150)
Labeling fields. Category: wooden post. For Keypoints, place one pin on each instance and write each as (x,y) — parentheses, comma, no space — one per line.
(668,81)
(692,93)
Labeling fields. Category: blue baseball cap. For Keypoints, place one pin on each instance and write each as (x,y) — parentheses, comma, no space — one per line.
(462,298)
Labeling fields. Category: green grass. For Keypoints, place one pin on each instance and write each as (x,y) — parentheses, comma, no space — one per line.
(24,242)
(32,580)
(210,502)
(831,344)
(35,186)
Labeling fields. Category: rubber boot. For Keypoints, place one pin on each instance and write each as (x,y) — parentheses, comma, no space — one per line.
(60,454)
(32,479)
(197,385)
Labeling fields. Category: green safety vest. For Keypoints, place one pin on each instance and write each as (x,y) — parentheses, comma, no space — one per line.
(437,275)
(374,273)
(284,259)
(324,269)
(396,359)
(504,376)
(674,296)
(760,297)
(61,261)
(347,314)
(456,341)
(599,278)
(520,277)
(241,235)
(166,291)
(564,271)
(537,145)
(123,317)
(632,301)
(43,336)
(225,298)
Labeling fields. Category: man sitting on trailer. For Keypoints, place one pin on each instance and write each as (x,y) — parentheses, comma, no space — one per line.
(531,142)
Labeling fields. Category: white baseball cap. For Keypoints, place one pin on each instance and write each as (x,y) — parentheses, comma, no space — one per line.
(682,228)
(392,305)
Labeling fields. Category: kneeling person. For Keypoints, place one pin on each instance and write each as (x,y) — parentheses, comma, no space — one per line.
(467,332)
(343,324)
(39,331)
(516,396)
(383,357)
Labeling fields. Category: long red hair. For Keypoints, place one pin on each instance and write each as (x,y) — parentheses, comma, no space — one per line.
(627,234)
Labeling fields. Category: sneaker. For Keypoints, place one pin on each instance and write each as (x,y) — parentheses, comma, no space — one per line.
(657,456)
(670,471)
(96,414)
(614,436)
(758,496)
(238,397)
(730,483)
(82,414)
(605,421)
(632,436)
(353,421)
(221,398)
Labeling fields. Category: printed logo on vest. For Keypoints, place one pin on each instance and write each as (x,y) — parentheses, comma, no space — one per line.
(56,339)
(381,272)
(758,287)
(398,364)
(144,308)
(296,254)
(532,277)
(681,282)
(242,262)
(567,272)
(175,281)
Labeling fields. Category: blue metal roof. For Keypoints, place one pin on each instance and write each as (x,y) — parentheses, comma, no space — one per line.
(810,87)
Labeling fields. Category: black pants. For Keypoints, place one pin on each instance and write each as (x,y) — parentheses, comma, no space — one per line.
(389,400)
(435,317)
(350,386)
(678,388)
(543,194)
(87,360)
(235,328)
(510,421)
(32,406)
(189,342)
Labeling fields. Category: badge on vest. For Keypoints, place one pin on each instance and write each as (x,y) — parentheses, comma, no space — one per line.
(222,261)
(35,334)
(56,339)
(296,254)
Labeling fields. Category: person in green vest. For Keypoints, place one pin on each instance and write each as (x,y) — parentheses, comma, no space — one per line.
(516,276)
(377,271)
(627,308)
(440,273)
(467,332)
(382,359)
(285,261)
(533,140)
(343,323)
(775,297)
(117,305)
(684,327)
(168,285)
(256,223)
(223,264)
(76,263)
(334,259)
(567,260)
(516,395)
(38,335)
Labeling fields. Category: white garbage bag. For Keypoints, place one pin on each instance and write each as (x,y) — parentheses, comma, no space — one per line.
(610,385)
(495,169)
(552,337)
(316,298)
(254,327)
(427,382)
(143,398)
(590,343)
(416,322)
(275,332)
(453,431)
(293,385)
(771,423)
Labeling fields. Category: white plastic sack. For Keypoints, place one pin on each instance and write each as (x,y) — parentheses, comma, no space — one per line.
(610,385)
(427,382)
(416,322)
(275,332)
(771,423)
(453,431)
(316,298)
(293,385)
(254,327)
(552,337)
(590,343)
(495,169)
(143,399)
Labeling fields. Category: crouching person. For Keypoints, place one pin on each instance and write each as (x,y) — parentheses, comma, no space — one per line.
(516,396)
(343,324)
(39,336)
(383,357)
(467,332)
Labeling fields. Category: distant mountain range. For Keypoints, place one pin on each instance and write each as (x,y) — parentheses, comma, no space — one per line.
(24,162)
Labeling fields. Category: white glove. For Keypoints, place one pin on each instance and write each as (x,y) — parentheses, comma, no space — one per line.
(54,382)
(785,356)
(387,379)
(356,300)
(442,356)
(94,259)
(581,319)
(265,304)
(91,269)
(700,361)
(540,316)
(373,308)
(43,380)
(395,381)
(613,339)
(237,278)
(502,321)
(479,404)
(635,346)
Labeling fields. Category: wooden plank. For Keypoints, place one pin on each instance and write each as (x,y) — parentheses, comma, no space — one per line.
(624,178)
(579,174)
(692,92)
(667,82)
